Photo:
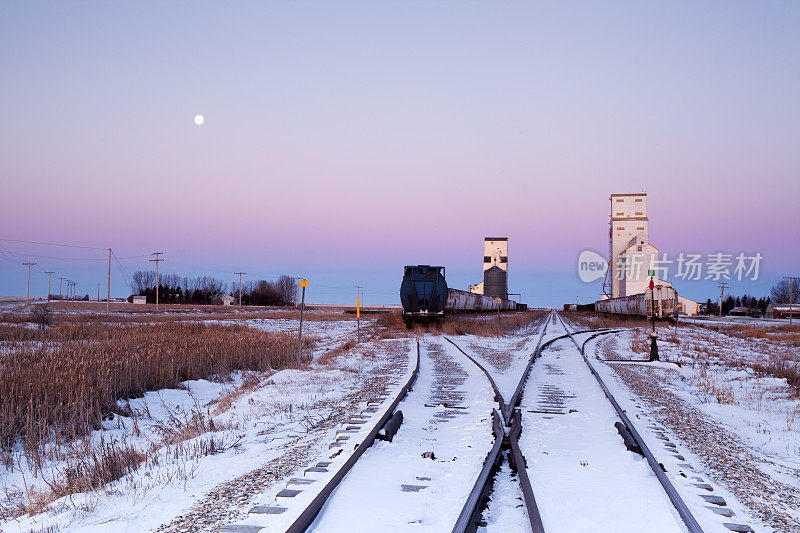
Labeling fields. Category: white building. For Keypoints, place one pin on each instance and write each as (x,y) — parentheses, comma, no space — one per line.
(223,299)
(635,264)
(495,254)
(628,224)
(687,307)
(634,259)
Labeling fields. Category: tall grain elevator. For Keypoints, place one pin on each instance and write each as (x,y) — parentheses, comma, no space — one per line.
(629,224)
(495,269)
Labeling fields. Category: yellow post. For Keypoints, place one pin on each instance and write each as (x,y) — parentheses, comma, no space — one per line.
(358,318)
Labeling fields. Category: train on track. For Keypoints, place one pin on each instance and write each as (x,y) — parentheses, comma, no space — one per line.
(666,304)
(426,297)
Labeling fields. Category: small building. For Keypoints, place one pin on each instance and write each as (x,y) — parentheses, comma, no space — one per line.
(139,300)
(223,299)
(687,307)
(783,310)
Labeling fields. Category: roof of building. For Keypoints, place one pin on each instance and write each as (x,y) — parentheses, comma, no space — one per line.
(628,194)
(785,307)
(637,244)
(495,239)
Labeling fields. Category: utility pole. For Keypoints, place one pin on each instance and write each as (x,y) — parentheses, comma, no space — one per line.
(156,261)
(303,284)
(28,291)
(722,286)
(791,279)
(358,312)
(60,281)
(48,285)
(98,294)
(240,287)
(108,287)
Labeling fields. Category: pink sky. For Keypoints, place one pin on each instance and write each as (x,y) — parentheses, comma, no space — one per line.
(346,143)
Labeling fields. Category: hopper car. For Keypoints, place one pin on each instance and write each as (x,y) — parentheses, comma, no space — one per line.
(425,297)
(666,304)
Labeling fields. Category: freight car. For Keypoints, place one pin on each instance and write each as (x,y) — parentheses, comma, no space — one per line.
(425,297)
(666,304)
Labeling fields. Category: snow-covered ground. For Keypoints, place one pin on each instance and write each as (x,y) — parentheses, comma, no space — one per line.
(719,423)
(734,427)
(583,477)
(424,476)
(212,448)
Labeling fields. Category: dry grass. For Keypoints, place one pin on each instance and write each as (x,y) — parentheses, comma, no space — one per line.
(484,325)
(591,320)
(777,344)
(63,385)
(722,393)
(74,312)
(785,334)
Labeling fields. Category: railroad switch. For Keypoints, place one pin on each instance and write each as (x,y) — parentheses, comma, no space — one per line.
(653,348)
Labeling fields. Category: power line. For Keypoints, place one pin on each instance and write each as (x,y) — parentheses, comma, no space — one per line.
(53,244)
(122,269)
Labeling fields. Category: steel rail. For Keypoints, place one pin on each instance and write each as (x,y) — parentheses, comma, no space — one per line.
(520,464)
(669,488)
(309,514)
(467,520)
(498,397)
(517,396)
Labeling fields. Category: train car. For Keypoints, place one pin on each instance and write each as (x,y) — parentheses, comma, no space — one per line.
(423,293)
(425,297)
(465,302)
(666,304)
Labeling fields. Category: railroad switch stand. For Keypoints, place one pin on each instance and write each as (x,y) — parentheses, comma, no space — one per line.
(653,348)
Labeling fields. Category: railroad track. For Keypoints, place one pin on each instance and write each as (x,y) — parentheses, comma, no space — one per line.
(627,429)
(457,419)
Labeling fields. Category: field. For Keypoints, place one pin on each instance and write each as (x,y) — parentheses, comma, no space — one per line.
(101,408)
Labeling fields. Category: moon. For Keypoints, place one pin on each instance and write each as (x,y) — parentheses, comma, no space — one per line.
(199,119)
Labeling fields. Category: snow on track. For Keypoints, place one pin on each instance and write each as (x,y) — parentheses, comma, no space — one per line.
(583,477)
(397,485)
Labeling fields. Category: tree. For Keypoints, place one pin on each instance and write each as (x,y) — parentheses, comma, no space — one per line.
(728,304)
(780,292)
(143,280)
(42,315)
(287,289)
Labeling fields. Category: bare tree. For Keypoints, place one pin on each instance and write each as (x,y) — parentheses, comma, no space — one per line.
(780,293)
(287,289)
(143,280)
(42,315)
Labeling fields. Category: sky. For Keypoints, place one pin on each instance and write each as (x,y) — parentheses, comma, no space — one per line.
(344,140)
